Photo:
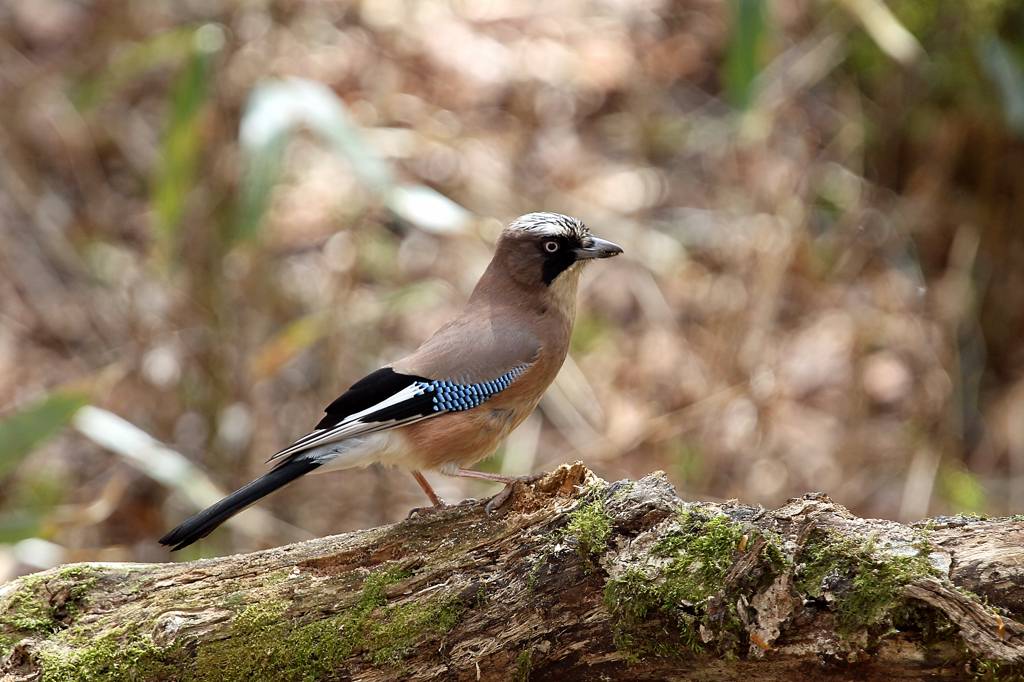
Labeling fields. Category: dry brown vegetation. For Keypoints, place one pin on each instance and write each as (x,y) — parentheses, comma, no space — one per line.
(821,291)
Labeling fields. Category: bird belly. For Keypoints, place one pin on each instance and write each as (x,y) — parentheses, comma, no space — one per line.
(383,447)
(458,439)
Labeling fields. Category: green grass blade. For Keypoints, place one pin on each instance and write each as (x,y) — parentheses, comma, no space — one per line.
(129,63)
(23,431)
(183,142)
(742,60)
(276,109)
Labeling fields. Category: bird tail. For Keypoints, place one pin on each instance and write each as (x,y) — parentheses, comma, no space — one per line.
(203,523)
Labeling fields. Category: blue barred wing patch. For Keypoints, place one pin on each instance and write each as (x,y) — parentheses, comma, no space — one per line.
(385,400)
(449,396)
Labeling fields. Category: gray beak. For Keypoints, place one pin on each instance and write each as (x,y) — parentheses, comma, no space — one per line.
(595,247)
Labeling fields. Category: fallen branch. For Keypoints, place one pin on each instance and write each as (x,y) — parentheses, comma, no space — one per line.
(576,579)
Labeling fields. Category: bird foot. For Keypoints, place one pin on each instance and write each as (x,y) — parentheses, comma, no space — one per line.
(427,511)
(499,500)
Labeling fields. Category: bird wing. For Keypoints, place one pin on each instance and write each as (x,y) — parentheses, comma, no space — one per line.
(450,372)
(478,346)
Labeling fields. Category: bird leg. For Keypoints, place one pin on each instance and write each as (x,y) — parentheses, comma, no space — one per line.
(499,500)
(438,503)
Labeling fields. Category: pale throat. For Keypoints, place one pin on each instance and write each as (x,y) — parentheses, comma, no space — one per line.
(562,291)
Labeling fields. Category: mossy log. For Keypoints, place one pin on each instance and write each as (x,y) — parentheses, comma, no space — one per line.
(575,579)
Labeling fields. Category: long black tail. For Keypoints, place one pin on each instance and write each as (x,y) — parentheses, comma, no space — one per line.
(203,523)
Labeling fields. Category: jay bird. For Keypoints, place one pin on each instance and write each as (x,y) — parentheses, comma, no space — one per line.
(451,402)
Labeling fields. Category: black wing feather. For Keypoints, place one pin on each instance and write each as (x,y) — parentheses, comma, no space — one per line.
(365,396)
(369,391)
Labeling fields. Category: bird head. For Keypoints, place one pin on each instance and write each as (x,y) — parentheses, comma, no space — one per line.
(550,249)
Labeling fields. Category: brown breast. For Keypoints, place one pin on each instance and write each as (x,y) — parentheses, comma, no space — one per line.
(464,438)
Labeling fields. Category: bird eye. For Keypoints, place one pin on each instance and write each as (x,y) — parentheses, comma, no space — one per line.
(551,247)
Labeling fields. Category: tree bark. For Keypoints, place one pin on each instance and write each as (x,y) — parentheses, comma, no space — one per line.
(574,579)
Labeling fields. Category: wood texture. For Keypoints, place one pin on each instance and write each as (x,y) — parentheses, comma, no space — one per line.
(576,579)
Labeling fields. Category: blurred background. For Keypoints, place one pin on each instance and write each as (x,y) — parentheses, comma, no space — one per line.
(216,215)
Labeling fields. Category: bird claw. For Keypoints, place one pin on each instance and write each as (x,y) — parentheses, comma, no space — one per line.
(427,511)
(499,500)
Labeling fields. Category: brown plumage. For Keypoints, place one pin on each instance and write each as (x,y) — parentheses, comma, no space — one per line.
(453,400)
(510,323)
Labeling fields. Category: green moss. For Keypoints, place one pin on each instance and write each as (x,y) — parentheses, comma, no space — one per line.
(7,643)
(591,527)
(391,634)
(524,664)
(262,645)
(46,602)
(702,552)
(116,657)
(120,655)
(276,577)
(26,610)
(258,617)
(643,613)
(996,671)
(660,610)
(262,642)
(235,599)
(868,584)
(773,551)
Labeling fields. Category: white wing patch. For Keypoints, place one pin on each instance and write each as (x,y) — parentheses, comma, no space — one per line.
(353,425)
(420,400)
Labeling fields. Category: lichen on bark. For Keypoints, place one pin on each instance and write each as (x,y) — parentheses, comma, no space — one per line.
(576,577)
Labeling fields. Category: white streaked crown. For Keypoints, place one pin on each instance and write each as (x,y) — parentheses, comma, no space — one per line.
(553,224)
